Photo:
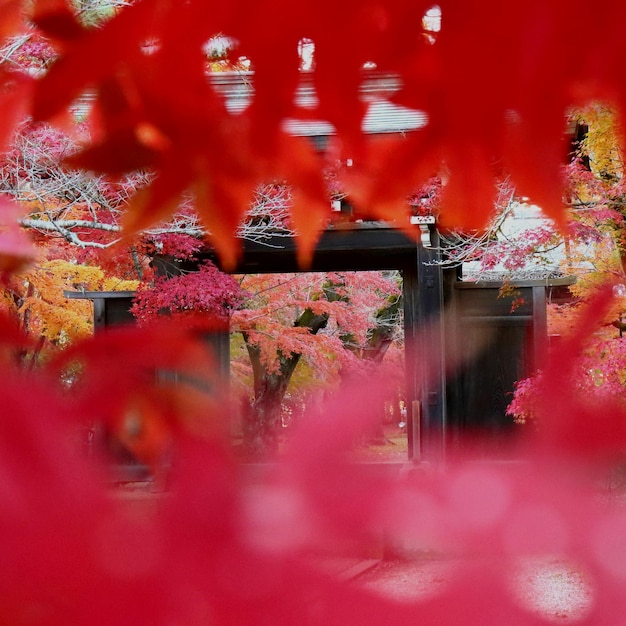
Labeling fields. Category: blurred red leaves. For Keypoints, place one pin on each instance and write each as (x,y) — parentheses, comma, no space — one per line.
(56,20)
(240,544)
(15,93)
(573,423)
(496,97)
(16,248)
(231,544)
(12,22)
(165,367)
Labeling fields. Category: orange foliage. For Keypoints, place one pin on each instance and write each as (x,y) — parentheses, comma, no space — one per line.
(35,299)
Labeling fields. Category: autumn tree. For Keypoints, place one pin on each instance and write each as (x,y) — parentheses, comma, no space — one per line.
(35,299)
(202,292)
(596,201)
(332,321)
(70,217)
(341,325)
(74,220)
(520,243)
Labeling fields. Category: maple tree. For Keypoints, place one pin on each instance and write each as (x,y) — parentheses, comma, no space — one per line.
(495,82)
(589,247)
(206,291)
(35,299)
(74,217)
(71,218)
(596,198)
(336,322)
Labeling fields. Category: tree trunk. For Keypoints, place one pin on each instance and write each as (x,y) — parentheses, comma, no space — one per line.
(262,422)
(378,342)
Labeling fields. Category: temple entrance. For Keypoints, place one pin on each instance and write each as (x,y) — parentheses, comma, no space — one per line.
(377,247)
(464,346)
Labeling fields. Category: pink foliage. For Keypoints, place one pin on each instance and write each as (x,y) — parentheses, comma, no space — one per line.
(350,299)
(427,199)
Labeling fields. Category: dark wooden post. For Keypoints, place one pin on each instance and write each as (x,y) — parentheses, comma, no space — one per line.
(99,314)
(540,325)
(423,308)
(413,392)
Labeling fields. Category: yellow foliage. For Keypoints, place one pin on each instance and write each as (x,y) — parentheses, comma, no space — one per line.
(37,299)
(591,270)
(58,324)
(602,141)
(7,303)
(117,284)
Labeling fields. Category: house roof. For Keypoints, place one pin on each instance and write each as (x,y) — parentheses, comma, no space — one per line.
(382,115)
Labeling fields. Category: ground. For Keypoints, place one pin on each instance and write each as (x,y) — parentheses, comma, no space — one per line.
(390,446)
(555,590)
(552,589)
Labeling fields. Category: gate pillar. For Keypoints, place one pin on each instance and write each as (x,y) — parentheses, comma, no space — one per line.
(424,350)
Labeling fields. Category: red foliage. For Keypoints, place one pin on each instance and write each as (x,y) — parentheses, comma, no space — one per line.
(16,249)
(587,415)
(207,292)
(224,544)
(164,114)
(176,245)
(221,545)
(14,96)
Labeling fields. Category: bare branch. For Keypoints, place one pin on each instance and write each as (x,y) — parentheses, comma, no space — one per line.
(71,203)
